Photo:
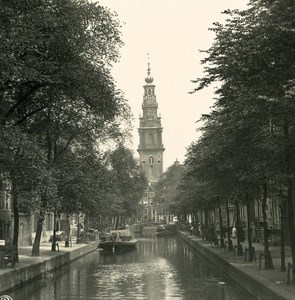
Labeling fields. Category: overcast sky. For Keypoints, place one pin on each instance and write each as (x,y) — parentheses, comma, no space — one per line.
(172,31)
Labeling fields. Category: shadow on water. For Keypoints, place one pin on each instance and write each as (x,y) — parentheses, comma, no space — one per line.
(159,268)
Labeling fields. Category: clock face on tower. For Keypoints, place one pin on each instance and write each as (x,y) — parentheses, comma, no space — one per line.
(150,115)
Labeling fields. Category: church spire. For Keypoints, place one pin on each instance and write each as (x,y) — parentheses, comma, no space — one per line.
(149,79)
(150,147)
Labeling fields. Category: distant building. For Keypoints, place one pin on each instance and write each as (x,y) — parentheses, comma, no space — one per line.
(150,148)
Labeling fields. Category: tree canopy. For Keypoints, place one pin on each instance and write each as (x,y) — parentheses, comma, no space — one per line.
(59,104)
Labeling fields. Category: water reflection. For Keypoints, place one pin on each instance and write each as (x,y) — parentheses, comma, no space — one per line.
(158,269)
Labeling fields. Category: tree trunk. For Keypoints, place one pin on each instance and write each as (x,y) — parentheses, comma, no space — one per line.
(206,225)
(214,216)
(36,245)
(202,228)
(267,255)
(290,207)
(289,157)
(229,241)
(197,224)
(78,228)
(68,229)
(250,247)
(14,195)
(283,263)
(54,241)
(239,228)
(116,221)
(221,228)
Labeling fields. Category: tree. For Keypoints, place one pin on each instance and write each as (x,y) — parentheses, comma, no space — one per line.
(60,48)
(128,181)
(167,191)
(56,80)
(22,162)
(253,58)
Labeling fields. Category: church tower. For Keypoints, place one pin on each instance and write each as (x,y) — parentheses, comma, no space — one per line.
(150,147)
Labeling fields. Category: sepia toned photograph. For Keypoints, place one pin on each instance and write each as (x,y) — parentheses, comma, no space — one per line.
(147,149)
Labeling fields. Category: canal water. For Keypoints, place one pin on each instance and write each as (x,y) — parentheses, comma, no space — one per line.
(163,268)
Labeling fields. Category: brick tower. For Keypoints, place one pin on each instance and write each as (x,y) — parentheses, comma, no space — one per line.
(150,147)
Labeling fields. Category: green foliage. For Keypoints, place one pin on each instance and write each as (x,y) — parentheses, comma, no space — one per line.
(22,160)
(58,101)
(128,180)
(167,190)
(57,57)
(79,179)
(247,139)
(95,185)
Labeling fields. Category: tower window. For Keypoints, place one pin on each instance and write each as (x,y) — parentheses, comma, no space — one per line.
(151,160)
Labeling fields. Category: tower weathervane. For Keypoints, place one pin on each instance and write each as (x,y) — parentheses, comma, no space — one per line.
(149,69)
(148,79)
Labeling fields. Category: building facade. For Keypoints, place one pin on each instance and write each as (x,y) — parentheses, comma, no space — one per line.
(150,149)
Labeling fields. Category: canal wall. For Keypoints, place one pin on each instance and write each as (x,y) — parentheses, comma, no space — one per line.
(38,266)
(246,282)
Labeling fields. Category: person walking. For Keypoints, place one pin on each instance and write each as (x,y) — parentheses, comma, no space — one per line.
(234,235)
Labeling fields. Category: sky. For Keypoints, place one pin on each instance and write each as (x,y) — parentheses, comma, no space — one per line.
(172,32)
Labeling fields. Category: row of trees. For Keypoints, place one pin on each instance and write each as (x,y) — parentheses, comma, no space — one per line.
(246,152)
(58,105)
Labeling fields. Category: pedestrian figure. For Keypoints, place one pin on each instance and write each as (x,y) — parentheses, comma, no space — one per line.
(234,232)
(192,229)
(198,229)
(241,234)
(212,235)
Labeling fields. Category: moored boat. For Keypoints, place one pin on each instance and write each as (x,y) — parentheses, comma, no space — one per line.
(117,240)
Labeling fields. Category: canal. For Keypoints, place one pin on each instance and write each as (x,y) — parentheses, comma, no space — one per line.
(163,268)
